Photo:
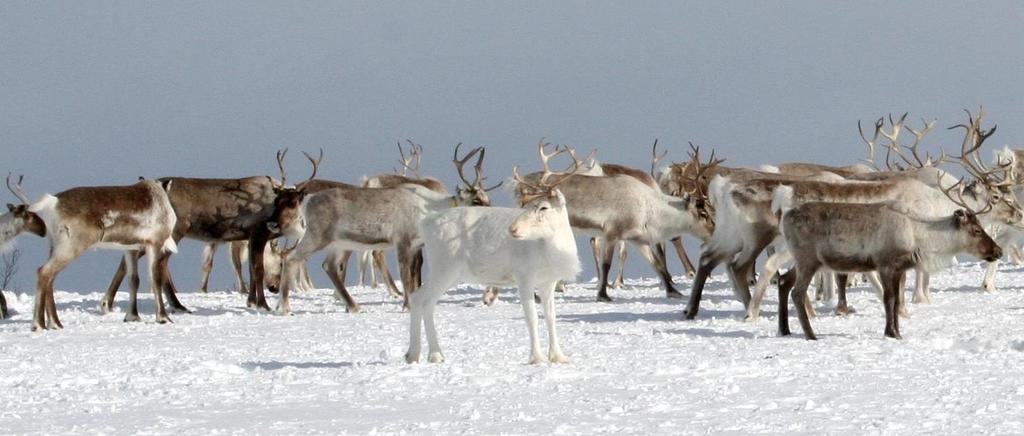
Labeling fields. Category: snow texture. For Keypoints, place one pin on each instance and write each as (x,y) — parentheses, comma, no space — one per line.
(636,367)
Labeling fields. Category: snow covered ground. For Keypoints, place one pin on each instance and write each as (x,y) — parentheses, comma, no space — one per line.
(636,367)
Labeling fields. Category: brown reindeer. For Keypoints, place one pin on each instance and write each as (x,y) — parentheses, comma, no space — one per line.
(224,210)
(132,218)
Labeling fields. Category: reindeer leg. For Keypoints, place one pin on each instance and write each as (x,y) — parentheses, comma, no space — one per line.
(891,280)
(238,249)
(157,267)
(620,279)
(406,262)
(555,354)
(335,266)
(919,287)
(257,243)
(45,313)
(842,307)
(204,280)
(771,267)
(606,263)
(131,260)
(3,306)
(681,252)
(708,262)
(803,280)
(365,267)
(170,290)
(107,304)
(655,254)
(989,282)
(381,263)
(595,249)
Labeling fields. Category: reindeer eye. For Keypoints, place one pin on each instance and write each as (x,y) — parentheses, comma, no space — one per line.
(543,208)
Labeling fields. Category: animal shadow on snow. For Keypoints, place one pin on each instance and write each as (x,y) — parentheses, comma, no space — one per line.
(620,317)
(275,365)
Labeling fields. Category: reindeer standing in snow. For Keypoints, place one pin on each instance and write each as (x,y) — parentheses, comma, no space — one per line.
(621,208)
(532,247)
(847,237)
(129,218)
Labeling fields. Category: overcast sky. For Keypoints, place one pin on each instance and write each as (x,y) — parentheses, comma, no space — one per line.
(99,93)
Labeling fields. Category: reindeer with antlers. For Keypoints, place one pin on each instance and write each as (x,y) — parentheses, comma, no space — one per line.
(365,219)
(532,247)
(621,208)
(129,218)
(606,169)
(224,210)
(744,208)
(473,190)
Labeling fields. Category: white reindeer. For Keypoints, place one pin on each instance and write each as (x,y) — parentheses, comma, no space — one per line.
(532,247)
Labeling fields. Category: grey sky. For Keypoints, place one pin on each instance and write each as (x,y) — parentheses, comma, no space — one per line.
(103,92)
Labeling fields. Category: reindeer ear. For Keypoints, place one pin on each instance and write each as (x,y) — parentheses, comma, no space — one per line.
(167,185)
(11,207)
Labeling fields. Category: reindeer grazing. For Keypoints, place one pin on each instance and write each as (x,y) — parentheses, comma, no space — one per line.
(850,237)
(239,253)
(364,218)
(532,247)
(130,218)
(621,208)
(224,210)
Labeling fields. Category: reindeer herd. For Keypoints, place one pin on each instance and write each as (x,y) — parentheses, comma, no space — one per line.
(876,220)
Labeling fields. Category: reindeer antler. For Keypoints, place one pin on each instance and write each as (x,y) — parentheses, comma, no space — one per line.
(700,168)
(16,189)
(655,158)
(280,165)
(959,199)
(871,144)
(974,137)
(314,162)
(412,163)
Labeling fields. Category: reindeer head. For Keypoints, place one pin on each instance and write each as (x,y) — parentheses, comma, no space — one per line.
(690,178)
(991,191)
(472,193)
(18,218)
(544,210)
(287,216)
(703,217)
(973,237)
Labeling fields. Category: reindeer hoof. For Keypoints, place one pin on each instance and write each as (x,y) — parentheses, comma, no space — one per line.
(180,309)
(490,298)
(105,308)
(811,337)
(436,357)
(558,358)
(845,311)
(412,357)
(358,309)
(673,294)
(604,298)
(537,358)
(132,317)
(163,319)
